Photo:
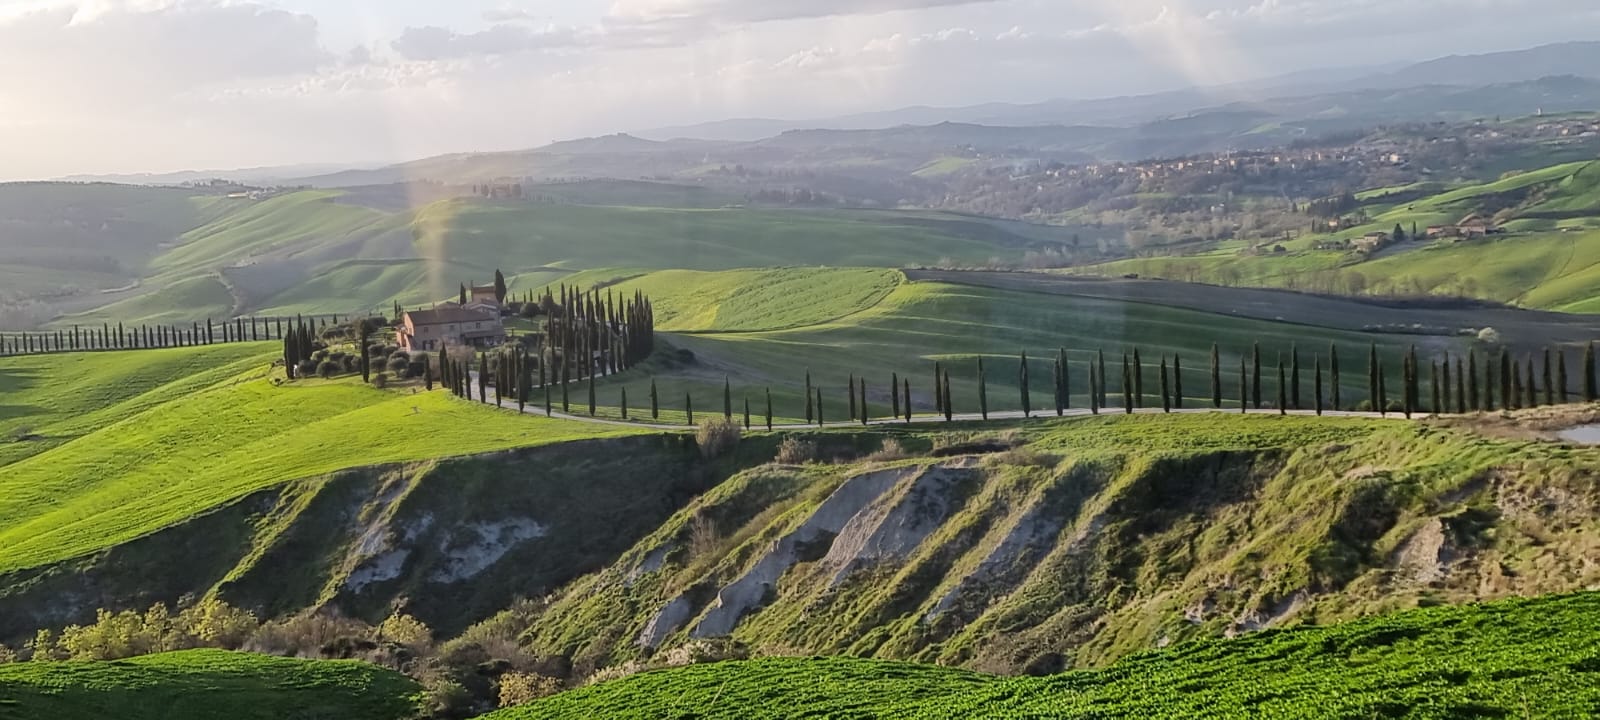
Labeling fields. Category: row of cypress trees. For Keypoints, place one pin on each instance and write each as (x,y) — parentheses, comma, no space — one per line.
(146,337)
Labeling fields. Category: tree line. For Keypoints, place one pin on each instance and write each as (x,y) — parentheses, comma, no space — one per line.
(149,337)
(1473,381)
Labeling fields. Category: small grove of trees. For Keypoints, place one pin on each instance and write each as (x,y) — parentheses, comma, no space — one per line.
(149,337)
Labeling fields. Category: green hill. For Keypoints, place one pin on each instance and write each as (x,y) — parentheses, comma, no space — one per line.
(147,445)
(749,300)
(1517,658)
(196,684)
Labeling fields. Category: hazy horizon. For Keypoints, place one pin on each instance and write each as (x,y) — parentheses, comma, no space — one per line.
(157,86)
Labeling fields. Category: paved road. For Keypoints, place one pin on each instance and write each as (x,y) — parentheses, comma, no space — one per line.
(759,422)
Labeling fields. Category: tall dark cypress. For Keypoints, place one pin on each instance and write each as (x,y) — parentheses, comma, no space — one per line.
(483,377)
(1255,374)
(1383,389)
(1373,378)
(1127,385)
(1445,387)
(727,398)
(949,404)
(1066,380)
(1094,390)
(769,409)
(1513,401)
(1100,355)
(850,393)
(1216,377)
(861,387)
(688,408)
(655,401)
(809,411)
(938,387)
(566,388)
(1474,397)
(1166,389)
(1022,380)
(624,402)
(1294,376)
(1138,380)
(1177,381)
(905,398)
(983,391)
(1533,392)
(1589,387)
(1549,379)
(819,407)
(1244,385)
(747,412)
(1055,377)
(1283,387)
(1507,397)
(1562,394)
(1461,388)
(592,403)
(1316,385)
(894,393)
(1438,393)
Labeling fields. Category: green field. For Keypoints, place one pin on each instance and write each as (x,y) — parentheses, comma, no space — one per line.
(196,684)
(1517,658)
(749,300)
(154,439)
(918,324)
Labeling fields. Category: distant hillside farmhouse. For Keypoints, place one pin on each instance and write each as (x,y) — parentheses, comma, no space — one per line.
(451,324)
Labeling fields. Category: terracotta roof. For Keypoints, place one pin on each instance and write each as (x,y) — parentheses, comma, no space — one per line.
(448,314)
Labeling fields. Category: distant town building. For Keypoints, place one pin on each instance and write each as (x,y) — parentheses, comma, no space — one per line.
(1371,242)
(451,325)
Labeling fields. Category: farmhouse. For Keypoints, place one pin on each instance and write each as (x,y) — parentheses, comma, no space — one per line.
(1370,242)
(450,324)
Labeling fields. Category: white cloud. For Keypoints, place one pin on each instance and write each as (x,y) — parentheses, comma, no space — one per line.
(437,43)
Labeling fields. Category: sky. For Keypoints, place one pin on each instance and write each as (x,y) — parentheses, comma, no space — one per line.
(117,86)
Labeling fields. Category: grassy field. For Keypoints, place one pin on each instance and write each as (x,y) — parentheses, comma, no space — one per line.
(1517,658)
(148,445)
(917,324)
(748,300)
(196,684)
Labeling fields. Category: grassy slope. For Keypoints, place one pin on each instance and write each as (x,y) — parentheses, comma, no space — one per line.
(47,229)
(184,301)
(205,684)
(920,323)
(1517,658)
(1551,261)
(186,447)
(748,300)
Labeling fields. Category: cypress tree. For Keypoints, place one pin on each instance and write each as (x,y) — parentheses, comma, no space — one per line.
(819,407)
(1094,390)
(1022,379)
(894,393)
(862,388)
(655,401)
(905,383)
(938,388)
(688,408)
(1255,376)
(1461,388)
(1166,391)
(1549,379)
(1507,372)
(727,398)
(1413,392)
(1374,371)
(1283,387)
(1383,389)
(566,404)
(1244,386)
(949,404)
(483,378)
(1127,385)
(1101,356)
(591,395)
(1445,387)
(1294,375)
(624,402)
(1333,375)
(1473,396)
(1440,407)
(808,397)
(1316,388)
(1138,380)
(769,409)
(1513,401)
(1562,394)
(364,337)
(747,413)
(983,391)
(850,392)
(1177,381)
(1055,377)
(1589,388)
(1533,393)
(1066,380)
(1216,377)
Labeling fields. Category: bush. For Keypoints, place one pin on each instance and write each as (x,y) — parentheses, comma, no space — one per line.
(890,450)
(319,355)
(381,380)
(398,354)
(329,368)
(716,437)
(794,451)
(406,630)
(417,368)
(304,635)
(398,365)
(518,688)
(306,369)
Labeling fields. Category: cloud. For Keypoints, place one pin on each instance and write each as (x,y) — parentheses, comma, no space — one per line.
(437,43)
(717,12)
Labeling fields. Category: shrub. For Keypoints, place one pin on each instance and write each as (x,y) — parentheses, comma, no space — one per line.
(306,369)
(398,365)
(381,380)
(305,635)
(217,623)
(518,688)
(7,655)
(329,368)
(417,368)
(398,354)
(794,451)
(406,630)
(890,450)
(319,355)
(716,437)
